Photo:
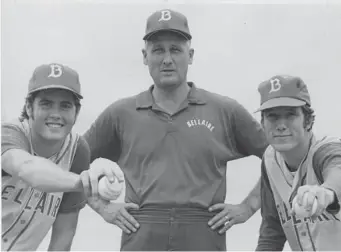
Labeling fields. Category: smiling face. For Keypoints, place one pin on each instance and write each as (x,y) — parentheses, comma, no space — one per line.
(167,55)
(285,127)
(52,114)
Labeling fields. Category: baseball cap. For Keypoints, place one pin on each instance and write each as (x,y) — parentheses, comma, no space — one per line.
(283,91)
(167,20)
(56,76)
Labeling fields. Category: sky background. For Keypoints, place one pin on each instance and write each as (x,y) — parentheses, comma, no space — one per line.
(236,47)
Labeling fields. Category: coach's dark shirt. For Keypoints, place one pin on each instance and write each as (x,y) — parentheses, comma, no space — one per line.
(175,159)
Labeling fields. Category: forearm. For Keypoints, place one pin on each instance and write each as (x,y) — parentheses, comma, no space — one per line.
(253,200)
(39,172)
(46,176)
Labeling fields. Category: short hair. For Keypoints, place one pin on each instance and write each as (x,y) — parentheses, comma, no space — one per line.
(308,113)
(30,99)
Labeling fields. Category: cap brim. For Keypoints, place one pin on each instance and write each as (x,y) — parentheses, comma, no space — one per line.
(281,102)
(184,34)
(56,87)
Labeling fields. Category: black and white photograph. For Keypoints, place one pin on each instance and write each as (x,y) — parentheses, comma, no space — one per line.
(161,125)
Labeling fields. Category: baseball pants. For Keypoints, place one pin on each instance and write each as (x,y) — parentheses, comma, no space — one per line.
(174,229)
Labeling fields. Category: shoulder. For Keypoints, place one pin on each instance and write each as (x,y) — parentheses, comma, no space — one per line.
(217,99)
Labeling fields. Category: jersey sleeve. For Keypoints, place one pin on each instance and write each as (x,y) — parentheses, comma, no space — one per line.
(271,234)
(76,200)
(328,159)
(12,137)
(103,135)
(249,135)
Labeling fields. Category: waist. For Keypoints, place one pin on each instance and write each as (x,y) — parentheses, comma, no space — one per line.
(166,214)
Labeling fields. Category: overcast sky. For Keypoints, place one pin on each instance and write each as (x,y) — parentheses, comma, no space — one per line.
(236,47)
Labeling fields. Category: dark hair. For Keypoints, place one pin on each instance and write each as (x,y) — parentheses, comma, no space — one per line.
(30,99)
(309,117)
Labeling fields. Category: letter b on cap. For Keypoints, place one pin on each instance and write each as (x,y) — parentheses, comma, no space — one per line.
(275,85)
(56,71)
(165,15)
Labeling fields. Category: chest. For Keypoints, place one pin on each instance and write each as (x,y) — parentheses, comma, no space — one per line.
(198,130)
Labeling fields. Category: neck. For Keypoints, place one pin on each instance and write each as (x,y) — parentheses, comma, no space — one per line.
(172,97)
(43,147)
(294,157)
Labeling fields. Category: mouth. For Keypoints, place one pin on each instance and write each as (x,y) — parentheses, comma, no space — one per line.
(167,71)
(54,125)
(282,136)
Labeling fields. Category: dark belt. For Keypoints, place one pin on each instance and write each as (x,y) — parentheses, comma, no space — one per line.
(158,214)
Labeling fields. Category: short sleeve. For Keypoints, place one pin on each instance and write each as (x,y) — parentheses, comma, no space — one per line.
(76,200)
(12,137)
(249,135)
(103,135)
(328,159)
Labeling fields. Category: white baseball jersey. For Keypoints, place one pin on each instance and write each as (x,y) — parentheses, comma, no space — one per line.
(27,213)
(302,234)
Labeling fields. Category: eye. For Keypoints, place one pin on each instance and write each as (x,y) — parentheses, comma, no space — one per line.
(66,106)
(175,49)
(45,103)
(157,50)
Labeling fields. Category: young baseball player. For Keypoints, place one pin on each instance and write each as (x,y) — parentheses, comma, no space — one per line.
(41,158)
(172,143)
(297,167)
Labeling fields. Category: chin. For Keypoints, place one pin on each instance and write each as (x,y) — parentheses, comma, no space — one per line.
(283,147)
(54,136)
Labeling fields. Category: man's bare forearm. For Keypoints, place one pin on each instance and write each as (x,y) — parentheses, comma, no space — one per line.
(253,200)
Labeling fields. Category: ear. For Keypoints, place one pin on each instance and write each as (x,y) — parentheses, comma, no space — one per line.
(29,109)
(191,55)
(144,53)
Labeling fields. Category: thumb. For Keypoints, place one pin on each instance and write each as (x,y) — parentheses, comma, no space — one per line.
(120,177)
(131,206)
(109,174)
(217,207)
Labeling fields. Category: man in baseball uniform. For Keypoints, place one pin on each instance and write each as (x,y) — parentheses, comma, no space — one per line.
(297,164)
(42,158)
(172,143)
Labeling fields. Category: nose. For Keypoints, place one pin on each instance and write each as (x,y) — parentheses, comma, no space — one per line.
(55,113)
(167,60)
(281,127)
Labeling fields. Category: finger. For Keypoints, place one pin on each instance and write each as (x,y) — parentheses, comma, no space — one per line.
(122,227)
(94,184)
(221,222)
(120,177)
(308,201)
(129,218)
(109,173)
(219,206)
(85,181)
(126,223)
(131,206)
(227,226)
(217,217)
(300,194)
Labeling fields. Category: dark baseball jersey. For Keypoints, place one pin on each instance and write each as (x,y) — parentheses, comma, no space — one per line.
(177,159)
(279,186)
(27,213)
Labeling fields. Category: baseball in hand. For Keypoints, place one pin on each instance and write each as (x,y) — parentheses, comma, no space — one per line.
(301,211)
(110,190)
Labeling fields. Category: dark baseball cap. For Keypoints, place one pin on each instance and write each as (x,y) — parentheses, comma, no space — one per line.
(56,76)
(167,20)
(283,91)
